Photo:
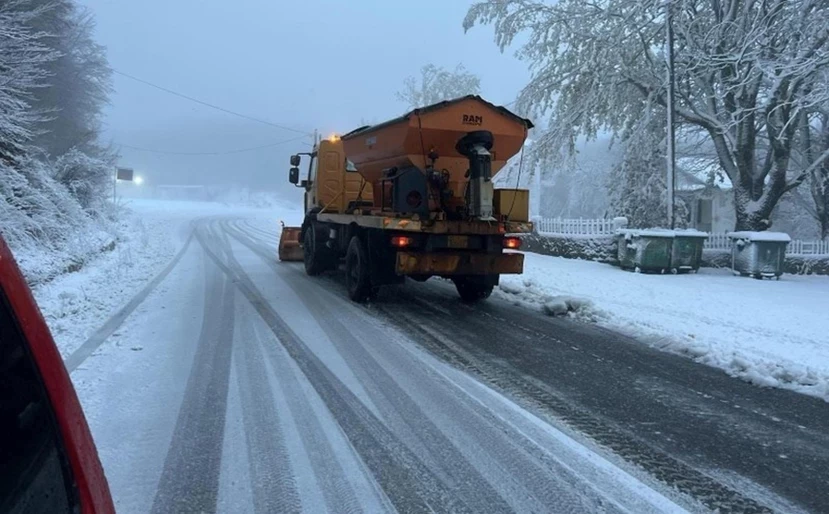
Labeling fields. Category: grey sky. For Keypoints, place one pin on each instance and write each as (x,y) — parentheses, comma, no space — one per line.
(326,64)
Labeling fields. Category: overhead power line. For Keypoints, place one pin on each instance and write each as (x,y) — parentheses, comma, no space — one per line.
(227,152)
(196,100)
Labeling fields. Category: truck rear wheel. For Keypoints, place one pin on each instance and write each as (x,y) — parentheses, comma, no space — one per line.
(317,256)
(357,271)
(473,289)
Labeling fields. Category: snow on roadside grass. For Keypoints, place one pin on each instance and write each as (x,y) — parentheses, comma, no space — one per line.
(76,304)
(770,333)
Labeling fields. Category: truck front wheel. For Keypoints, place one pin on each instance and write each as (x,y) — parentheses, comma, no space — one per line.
(357,271)
(317,256)
(473,289)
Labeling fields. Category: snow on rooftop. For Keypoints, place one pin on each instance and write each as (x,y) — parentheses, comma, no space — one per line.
(696,172)
(690,232)
(780,237)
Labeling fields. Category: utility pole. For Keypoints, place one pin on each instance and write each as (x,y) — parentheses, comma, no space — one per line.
(671,154)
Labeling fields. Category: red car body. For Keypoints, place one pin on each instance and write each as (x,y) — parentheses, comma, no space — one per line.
(88,474)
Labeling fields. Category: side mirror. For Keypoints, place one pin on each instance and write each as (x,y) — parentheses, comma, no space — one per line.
(293,174)
(350,167)
(295,160)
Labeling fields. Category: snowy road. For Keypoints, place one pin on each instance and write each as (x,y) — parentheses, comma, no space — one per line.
(242,385)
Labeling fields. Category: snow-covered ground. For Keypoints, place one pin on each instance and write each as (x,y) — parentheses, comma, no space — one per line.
(149,235)
(142,388)
(771,333)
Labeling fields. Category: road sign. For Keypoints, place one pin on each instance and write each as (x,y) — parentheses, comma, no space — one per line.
(124,174)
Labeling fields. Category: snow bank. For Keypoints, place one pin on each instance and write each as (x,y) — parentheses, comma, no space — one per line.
(766,332)
(530,293)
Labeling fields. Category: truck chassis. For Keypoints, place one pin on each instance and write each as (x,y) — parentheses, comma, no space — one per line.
(380,250)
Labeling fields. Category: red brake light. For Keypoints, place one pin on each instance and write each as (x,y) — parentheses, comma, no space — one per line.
(401,241)
(513,243)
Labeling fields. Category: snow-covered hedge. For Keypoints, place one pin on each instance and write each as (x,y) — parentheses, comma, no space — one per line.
(716,258)
(604,248)
(807,264)
(593,248)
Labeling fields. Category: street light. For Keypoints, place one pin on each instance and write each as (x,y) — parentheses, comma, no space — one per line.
(671,153)
(138,180)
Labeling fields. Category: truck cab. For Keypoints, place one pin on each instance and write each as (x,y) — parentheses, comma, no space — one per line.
(332,183)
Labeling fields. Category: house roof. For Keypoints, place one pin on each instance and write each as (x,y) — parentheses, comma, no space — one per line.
(694,173)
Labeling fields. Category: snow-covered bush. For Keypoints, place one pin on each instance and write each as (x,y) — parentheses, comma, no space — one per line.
(43,224)
(85,176)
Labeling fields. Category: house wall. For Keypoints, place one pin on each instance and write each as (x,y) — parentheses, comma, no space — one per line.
(710,210)
(724,217)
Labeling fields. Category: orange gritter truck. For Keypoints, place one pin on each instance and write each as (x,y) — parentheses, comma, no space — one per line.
(413,197)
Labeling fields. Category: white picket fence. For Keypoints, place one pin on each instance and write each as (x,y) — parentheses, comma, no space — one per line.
(604,227)
(796,247)
(718,242)
(574,226)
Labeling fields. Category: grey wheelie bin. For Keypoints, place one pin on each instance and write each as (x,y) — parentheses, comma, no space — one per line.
(758,254)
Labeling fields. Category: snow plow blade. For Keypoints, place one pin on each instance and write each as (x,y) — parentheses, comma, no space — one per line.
(289,249)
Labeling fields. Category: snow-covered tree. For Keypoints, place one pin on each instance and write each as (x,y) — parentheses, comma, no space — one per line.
(79,82)
(437,84)
(72,100)
(637,183)
(23,57)
(814,138)
(745,72)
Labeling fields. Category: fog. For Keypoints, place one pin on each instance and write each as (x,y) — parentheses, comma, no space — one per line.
(319,64)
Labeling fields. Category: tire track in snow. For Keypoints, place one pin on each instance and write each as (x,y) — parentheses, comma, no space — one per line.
(425,322)
(541,476)
(394,402)
(337,492)
(273,485)
(95,341)
(711,485)
(408,483)
(434,339)
(248,226)
(190,478)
